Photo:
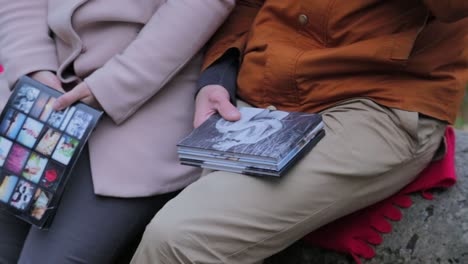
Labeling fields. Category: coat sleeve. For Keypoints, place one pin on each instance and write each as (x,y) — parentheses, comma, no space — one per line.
(448,10)
(173,35)
(234,32)
(223,72)
(25,43)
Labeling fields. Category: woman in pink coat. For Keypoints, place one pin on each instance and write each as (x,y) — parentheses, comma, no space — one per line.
(138,61)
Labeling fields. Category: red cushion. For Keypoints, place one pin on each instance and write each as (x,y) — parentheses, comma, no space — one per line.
(353,233)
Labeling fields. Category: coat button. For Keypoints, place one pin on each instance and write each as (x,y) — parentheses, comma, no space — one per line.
(271,108)
(303,19)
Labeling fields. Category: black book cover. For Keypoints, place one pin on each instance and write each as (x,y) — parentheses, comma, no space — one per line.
(38,149)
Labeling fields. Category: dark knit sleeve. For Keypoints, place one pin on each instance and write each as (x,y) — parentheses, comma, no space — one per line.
(223,72)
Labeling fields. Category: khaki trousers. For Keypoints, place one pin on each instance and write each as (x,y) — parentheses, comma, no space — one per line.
(369,152)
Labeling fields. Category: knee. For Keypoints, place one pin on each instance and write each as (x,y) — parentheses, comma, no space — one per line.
(162,232)
(164,241)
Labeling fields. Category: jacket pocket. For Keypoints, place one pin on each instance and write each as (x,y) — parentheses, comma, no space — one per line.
(279,73)
(402,43)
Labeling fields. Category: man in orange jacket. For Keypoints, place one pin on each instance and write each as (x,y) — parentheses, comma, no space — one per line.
(387,76)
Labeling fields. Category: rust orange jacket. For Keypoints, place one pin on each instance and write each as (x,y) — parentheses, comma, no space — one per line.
(311,54)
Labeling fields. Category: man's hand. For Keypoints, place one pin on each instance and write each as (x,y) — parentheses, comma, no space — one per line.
(48,78)
(79,92)
(214,99)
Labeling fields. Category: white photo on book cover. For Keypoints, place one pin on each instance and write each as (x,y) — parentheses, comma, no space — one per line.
(40,203)
(48,141)
(47,109)
(38,107)
(5,146)
(57,117)
(259,132)
(22,195)
(12,123)
(71,110)
(34,167)
(25,98)
(255,125)
(7,186)
(65,149)
(79,123)
(30,132)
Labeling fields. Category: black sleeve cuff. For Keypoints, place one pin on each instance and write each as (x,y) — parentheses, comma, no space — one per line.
(223,72)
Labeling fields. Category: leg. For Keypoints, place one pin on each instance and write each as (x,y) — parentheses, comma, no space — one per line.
(369,152)
(13,233)
(90,228)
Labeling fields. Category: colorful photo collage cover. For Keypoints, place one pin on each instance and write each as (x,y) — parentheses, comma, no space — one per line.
(38,147)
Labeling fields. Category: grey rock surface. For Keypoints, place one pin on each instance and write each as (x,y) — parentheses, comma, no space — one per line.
(430,232)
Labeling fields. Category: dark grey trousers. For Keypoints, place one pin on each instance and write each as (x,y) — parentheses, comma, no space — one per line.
(86,229)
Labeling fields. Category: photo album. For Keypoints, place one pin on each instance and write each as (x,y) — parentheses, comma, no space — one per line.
(262,143)
(38,148)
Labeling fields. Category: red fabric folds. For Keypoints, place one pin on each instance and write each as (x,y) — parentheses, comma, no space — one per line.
(354,233)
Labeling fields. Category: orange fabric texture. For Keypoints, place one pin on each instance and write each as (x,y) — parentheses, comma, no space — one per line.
(309,55)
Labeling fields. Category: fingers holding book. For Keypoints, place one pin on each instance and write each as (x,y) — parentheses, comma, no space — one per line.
(79,92)
(214,99)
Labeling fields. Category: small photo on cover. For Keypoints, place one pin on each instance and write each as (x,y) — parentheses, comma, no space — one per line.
(16,159)
(7,185)
(22,195)
(40,204)
(39,105)
(47,109)
(79,123)
(5,146)
(34,167)
(25,98)
(12,123)
(65,149)
(68,116)
(30,132)
(52,176)
(57,117)
(48,142)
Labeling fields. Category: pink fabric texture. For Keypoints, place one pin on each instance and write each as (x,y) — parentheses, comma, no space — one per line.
(355,233)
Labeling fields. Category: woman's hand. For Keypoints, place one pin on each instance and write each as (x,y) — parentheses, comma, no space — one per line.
(48,78)
(79,92)
(213,99)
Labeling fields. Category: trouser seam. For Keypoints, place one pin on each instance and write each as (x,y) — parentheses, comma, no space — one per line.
(315,213)
(281,231)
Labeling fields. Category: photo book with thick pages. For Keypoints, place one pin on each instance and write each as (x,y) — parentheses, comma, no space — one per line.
(263,142)
(38,149)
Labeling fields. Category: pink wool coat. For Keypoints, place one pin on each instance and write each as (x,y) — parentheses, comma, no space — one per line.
(139,59)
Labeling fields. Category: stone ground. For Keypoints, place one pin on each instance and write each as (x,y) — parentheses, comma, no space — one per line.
(430,231)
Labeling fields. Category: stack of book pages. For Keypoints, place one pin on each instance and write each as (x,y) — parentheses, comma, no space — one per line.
(263,142)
